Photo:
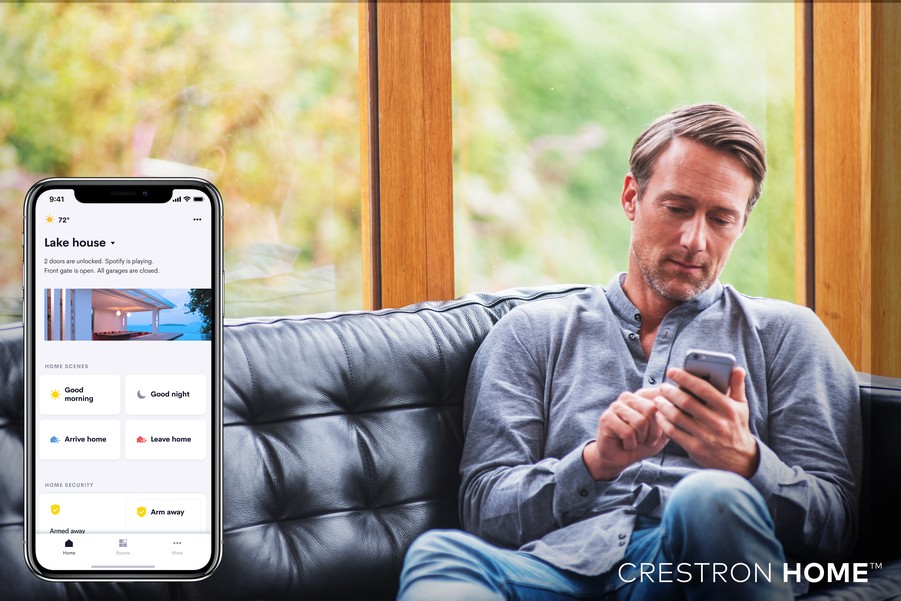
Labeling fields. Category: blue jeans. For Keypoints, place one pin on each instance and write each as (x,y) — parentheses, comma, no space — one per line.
(712,517)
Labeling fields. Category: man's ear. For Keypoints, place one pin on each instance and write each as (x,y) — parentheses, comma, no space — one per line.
(629,198)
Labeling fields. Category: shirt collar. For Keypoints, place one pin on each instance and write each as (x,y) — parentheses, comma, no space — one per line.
(629,312)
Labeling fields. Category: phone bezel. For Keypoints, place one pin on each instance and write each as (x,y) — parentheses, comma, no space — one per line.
(710,358)
(100,185)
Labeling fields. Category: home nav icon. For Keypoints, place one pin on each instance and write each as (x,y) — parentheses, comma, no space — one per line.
(69,543)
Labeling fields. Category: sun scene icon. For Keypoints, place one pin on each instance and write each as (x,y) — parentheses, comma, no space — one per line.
(54,394)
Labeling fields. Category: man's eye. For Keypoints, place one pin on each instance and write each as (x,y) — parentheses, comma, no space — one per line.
(677,210)
(721,221)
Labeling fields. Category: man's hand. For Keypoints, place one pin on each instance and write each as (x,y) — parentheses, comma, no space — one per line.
(627,433)
(715,432)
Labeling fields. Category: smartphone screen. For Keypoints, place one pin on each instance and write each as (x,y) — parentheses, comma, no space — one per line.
(123,355)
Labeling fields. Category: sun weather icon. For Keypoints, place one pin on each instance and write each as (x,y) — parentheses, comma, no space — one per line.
(54,394)
(49,218)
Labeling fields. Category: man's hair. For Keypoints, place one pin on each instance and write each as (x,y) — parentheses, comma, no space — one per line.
(714,125)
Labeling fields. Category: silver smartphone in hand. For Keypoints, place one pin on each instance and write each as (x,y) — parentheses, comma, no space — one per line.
(714,367)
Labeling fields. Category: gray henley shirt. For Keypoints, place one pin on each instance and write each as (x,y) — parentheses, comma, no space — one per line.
(548,369)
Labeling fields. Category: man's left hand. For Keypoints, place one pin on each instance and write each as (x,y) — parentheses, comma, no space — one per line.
(715,432)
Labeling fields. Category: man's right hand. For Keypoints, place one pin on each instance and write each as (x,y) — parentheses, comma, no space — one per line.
(628,432)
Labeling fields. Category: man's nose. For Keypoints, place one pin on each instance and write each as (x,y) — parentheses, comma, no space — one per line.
(694,234)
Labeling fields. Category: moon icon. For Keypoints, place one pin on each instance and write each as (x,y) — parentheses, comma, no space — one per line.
(141,396)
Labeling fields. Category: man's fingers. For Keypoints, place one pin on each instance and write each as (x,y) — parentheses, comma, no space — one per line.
(639,422)
(704,391)
(675,416)
(687,403)
(737,385)
(613,427)
(671,431)
(647,393)
(656,436)
(630,419)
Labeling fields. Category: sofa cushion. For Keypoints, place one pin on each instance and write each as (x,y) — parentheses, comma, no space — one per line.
(342,444)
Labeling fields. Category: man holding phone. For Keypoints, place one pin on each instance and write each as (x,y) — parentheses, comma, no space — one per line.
(587,474)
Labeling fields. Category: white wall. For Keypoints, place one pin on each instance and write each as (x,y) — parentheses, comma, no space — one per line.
(105,321)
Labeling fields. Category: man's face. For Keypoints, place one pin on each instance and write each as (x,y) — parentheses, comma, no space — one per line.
(687,220)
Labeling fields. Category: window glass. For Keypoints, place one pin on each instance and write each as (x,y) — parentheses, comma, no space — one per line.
(261,99)
(548,99)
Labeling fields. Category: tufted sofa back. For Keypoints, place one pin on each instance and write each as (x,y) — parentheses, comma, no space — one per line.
(342,444)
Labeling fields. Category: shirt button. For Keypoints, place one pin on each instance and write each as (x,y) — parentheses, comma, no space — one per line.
(638,317)
(622,543)
(583,492)
(652,380)
(631,335)
(622,536)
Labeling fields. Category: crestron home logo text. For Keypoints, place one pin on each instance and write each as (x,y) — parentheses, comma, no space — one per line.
(745,572)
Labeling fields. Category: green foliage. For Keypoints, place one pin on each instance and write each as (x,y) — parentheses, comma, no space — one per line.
(262,96)
(548,99)
(202,303)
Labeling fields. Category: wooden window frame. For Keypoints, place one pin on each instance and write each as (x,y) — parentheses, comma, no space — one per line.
(850,232)
(406,150)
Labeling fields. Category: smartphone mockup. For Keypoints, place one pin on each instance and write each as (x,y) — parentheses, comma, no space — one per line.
(123,356)
(711,366)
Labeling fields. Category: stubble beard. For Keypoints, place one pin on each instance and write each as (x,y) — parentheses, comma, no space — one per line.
(677,288)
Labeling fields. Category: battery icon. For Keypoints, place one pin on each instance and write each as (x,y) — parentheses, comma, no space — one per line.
(198,199)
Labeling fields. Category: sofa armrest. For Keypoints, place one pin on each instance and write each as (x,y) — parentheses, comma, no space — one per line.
(879,518)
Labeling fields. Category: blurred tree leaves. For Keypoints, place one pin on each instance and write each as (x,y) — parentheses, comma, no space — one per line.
(262,98)
(548,99)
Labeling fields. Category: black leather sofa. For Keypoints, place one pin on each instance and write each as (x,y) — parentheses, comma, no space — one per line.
(342,442)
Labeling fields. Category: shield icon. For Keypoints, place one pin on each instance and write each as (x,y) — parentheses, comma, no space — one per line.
(54,509)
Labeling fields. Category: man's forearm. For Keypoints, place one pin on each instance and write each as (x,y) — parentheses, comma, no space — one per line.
(511,506)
